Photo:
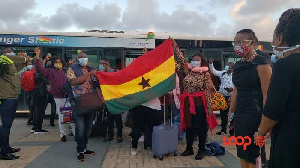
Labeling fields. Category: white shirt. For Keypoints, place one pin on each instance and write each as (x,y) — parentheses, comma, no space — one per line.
(176,92)
(154,104)
(226,80)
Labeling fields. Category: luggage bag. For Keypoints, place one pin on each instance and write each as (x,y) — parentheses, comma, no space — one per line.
(165,138)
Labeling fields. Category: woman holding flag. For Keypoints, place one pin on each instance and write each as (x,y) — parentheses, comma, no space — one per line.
(195,101)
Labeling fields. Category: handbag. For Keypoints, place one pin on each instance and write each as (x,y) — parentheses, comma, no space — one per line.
(99,128)
(258,160)
(218,101)
(128,121)
(88,103)
(67,114)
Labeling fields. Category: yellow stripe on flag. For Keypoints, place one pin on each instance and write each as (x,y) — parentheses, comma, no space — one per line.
(156,76)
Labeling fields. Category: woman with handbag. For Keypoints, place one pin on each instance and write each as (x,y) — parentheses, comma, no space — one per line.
(195,102)
(81,78)
(57,80)
(226,88)
(251,77)
(281,113)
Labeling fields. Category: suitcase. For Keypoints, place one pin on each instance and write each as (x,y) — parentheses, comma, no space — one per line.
(165,138)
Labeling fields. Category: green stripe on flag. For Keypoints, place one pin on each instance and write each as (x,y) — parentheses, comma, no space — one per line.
(119,105)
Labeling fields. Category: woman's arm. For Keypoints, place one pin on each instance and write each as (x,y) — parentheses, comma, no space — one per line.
(38,66)
(232,106)
(266,125)
(44,71)
(278,95)
(264,73)
(210,89)
(179,54)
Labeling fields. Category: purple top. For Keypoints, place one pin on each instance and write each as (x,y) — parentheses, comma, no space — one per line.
(57,79)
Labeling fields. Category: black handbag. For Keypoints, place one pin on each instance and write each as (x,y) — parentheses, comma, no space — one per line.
(88,103)
(128,121)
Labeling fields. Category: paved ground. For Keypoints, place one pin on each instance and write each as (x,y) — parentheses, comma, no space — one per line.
(47,151)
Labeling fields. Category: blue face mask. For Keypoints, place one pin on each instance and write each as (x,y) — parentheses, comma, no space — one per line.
(195,63)
(101,68)
(29,67)
(273,58)
(226,68)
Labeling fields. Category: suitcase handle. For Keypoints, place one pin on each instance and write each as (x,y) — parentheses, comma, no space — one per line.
(171,124)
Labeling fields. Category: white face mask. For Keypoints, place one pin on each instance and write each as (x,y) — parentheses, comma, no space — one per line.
(226,68)
(196,63)
(280,54)
(10,54)
(83,61)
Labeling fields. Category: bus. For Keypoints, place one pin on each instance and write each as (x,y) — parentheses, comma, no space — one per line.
(120,47)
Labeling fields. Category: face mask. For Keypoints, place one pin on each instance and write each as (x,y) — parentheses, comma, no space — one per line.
(281,53)
(58,65)
(48,64)
(273,58)
(101,68)
(241,51)
(10,54)
(29,67)
(226,68)
(83,61)
(195,64)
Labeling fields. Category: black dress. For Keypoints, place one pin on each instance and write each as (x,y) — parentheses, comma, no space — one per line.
(249,104)
(283,105)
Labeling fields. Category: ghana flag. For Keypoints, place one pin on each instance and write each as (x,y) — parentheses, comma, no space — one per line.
(147,77)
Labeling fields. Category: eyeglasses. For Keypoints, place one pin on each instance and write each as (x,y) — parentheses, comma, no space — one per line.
(239,43)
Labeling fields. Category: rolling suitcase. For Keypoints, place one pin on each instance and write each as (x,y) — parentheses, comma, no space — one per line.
(165,138)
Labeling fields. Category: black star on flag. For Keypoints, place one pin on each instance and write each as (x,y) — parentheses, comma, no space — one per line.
(145,83)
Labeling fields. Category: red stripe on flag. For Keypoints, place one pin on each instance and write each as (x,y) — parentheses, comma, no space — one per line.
(139,66)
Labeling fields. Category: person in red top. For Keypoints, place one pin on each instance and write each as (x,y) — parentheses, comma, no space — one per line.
(28,85)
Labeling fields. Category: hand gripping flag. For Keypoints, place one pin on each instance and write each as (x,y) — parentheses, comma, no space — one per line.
(147,77)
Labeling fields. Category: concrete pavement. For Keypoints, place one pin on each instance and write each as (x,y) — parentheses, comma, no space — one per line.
(46,151)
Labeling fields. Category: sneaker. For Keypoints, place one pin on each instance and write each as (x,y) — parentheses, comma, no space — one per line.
(32,130)
(88,152)
(63,139)
(142,138)
(40,131)
(8,156)
(52,124)
(14,150)
(119,140)
(80,157)
(221,132)
(133,151)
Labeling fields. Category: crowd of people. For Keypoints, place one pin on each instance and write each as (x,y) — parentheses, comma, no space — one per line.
(262,93)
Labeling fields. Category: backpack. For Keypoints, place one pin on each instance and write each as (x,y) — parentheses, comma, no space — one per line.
(214,149)
(28,80)
(40,86)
